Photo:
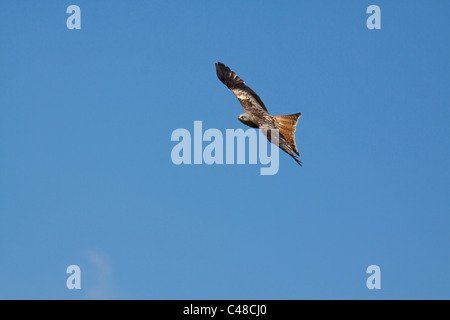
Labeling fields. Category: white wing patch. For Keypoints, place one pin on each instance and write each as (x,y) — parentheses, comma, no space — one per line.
(241,94)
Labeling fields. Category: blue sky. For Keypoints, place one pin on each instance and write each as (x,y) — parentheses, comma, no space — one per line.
(87,177)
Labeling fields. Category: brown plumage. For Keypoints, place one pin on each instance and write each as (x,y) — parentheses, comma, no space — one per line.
(256,114)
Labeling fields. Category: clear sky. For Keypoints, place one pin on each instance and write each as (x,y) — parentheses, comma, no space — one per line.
(86,175)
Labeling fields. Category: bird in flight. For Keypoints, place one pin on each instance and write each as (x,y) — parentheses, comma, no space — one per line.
(256,115)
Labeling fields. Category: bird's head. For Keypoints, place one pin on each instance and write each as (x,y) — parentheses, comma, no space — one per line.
(245,119)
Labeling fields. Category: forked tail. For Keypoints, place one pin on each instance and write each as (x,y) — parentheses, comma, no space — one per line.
(286,126)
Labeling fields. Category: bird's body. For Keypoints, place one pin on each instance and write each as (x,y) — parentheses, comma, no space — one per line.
(256,114)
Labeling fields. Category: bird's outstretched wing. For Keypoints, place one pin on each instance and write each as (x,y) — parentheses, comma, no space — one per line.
(249,99)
